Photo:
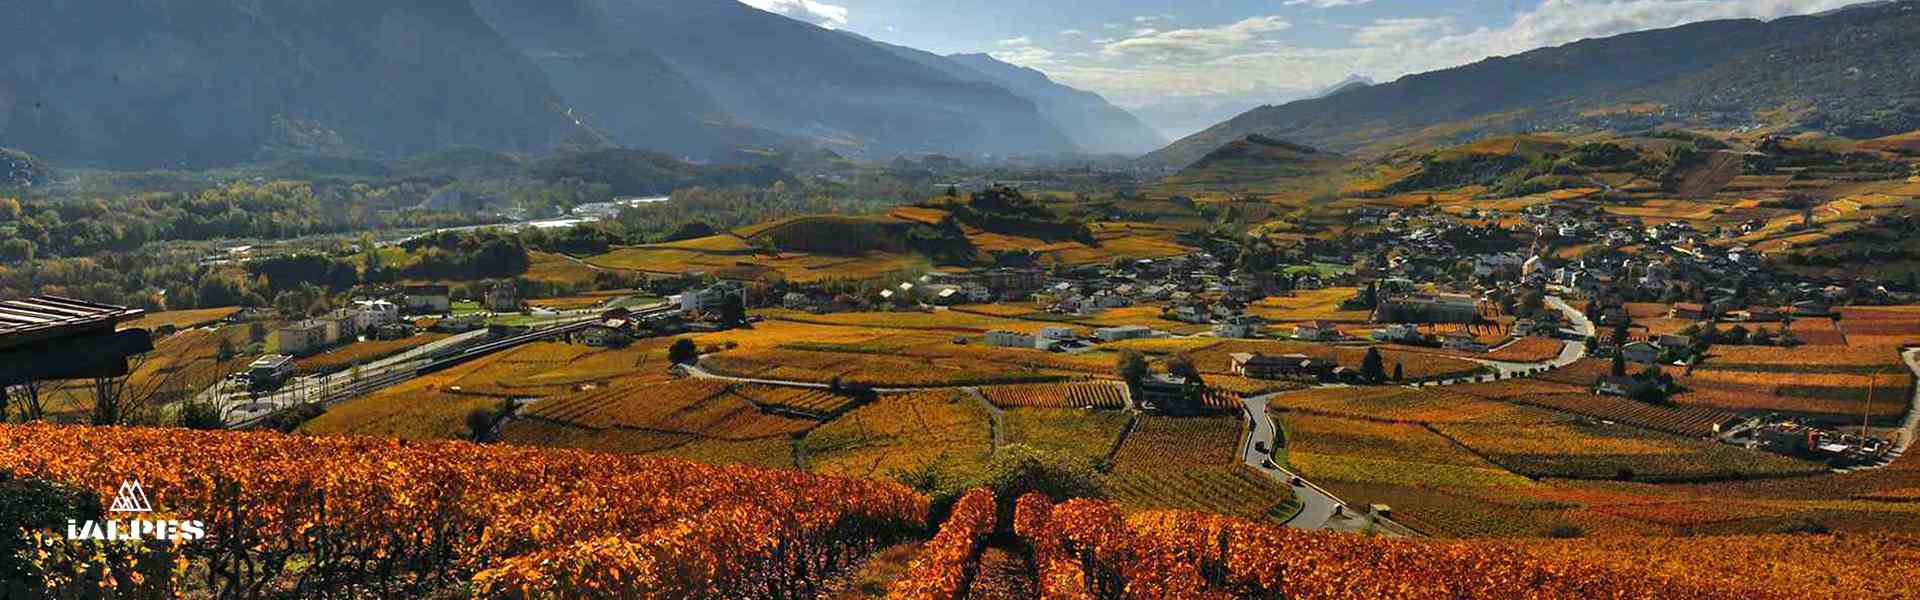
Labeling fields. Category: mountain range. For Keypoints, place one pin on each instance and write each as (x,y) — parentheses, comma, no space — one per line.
(1849,72)
(185,83)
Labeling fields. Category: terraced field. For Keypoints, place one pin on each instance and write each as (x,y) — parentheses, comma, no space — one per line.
(1094,395)
(901,433)
(1191,463)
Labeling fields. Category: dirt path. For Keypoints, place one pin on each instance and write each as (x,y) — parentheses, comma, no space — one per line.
(996,417)
(1004,575)
(873,577)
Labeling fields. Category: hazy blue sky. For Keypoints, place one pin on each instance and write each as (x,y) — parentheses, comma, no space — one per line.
(1146,52)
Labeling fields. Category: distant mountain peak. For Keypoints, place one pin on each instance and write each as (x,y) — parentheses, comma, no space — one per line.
(1723,74)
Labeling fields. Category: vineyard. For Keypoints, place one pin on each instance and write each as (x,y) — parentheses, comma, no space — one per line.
(333,515)
(1192,463)
(1088,549)
(902,432)
(1578,450)
(948,563)
(1097,395)
(1406,405)
(698,407)
(1087,434)
(1329,449)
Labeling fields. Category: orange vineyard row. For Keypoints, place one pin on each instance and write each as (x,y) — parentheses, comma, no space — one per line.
(947,564)
(1101,395)
(396,519)
(1089,549)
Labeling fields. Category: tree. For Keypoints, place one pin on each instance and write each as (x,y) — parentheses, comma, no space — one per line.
(22,403)
(683,352)
(1182,366)
(1130,365)
(17,250)
(1399,374)
(1373,367)
(1620,333)
(199,415)
(1619,364)
(733,311)
(1017,470)
(479,424)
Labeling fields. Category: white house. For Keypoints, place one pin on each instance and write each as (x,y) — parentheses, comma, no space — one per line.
(710,298)
(1239,326)
(1123,332)
(1398,332)
(1316,331)
(302,337)
(428,298)
(1009,339)
(368,314)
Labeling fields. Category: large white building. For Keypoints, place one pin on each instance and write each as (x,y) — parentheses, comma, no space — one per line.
(369,314)
(1009,339)
(711,297)
(1123,332)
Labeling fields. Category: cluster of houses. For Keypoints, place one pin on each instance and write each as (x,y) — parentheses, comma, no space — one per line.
(380,319)
(1068,339)
(1787,435)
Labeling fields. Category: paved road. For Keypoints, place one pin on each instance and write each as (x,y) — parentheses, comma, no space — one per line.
(1318,507)
(1910,431)
(1581,326)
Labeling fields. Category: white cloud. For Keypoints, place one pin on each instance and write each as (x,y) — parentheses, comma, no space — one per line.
(830,16)
(1073,32)
(1246,60)
(1327,3)
(1195,44)
(1383,32)
(1021,51)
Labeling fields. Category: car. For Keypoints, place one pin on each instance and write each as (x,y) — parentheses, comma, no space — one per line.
(1298,482)
(1260,446)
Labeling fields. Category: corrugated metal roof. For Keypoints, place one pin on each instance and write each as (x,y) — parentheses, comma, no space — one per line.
(45,316)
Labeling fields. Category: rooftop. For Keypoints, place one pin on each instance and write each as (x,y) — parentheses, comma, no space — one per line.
(49,317)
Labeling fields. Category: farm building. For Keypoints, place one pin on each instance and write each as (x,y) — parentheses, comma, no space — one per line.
(1290,366)
(1428,308)
(1123,332)
(1009,339)
(1628,386)
(1645,353)
(428,298)
(503,297)
(1316,331)
(271,368)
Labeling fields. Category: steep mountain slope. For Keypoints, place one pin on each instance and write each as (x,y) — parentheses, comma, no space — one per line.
(1848,72)
(1094,124)
(197,82)
(1258,166)
(781,75)
(627,95)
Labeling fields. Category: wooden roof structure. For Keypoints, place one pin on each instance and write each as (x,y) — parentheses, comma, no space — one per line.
(50,337)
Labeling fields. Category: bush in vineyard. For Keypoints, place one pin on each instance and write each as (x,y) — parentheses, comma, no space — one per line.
(326,516)
(948,563)
(1088,549)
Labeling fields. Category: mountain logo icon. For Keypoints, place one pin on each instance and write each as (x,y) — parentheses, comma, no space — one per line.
(131,498)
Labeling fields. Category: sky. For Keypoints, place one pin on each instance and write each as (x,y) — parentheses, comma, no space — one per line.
(1148,54)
